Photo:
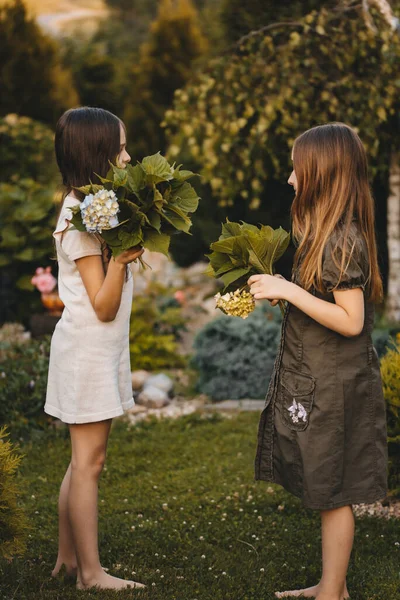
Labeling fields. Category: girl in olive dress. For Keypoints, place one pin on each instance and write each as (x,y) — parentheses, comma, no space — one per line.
(322,433)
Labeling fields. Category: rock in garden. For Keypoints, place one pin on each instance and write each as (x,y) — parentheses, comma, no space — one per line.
(160,381)
(153,397)
(139,378)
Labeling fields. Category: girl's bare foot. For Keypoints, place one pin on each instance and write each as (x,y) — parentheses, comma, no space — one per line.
(71,568)
(311,592)
(104,581)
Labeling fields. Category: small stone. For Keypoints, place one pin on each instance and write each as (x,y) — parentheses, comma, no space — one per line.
(137,409)
(160,381)
(153,397)
(139,378)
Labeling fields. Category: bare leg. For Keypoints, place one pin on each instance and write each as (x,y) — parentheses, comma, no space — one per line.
(66,549)
(89,445)
(337,542)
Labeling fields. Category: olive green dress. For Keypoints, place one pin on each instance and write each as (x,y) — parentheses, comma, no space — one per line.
(322,433)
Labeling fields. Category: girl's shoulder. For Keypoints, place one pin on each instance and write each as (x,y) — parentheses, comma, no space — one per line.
(345,263)
(73,243)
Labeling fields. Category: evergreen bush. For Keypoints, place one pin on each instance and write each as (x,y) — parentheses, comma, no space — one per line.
(235,357)
(13,523)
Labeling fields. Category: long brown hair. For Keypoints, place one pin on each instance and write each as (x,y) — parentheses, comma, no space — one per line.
(86,140)
(332,191)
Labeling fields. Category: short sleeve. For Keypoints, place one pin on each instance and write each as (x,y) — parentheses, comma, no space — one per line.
(355,268)
(75,244)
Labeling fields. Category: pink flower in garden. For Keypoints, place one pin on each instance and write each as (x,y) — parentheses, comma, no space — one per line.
(44,281)
(180,296)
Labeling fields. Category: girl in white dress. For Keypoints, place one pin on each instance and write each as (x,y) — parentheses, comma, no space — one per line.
(89,373)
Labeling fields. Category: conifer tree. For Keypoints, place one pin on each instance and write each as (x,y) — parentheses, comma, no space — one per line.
(32,81)
(166,63)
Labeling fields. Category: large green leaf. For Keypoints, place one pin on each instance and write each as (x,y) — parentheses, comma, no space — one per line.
(176,218)
(136,180)
(229,229)
(234,275)
(155,219)
(284,240)
(157,168)
(182,174)
(77,219)
(225,245)
(120,176)
(85,189)
(186,197)
(157,242)
(158,200)
(131,239)
(218,260)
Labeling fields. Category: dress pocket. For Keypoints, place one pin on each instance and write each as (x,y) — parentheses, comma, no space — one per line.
(296,398)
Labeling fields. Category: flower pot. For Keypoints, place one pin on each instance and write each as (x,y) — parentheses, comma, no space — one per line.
(52,303)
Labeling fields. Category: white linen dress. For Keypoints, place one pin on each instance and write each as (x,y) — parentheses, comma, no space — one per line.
(89,371)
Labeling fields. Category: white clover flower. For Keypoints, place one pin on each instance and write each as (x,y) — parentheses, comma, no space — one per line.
(99,211)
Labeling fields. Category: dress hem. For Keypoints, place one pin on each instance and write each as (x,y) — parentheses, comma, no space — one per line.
(90,418)
(332,505)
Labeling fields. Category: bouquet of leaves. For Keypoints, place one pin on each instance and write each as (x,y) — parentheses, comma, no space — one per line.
(138,206)
(243,250)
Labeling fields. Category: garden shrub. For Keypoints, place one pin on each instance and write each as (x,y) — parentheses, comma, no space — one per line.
(156,324)
(235,357)
(13,523)
(28,212)
(23,381)
(390,370)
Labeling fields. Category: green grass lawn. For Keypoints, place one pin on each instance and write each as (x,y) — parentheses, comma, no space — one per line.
(180,508)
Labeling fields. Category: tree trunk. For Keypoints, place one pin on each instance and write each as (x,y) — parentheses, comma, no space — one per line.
(393,241)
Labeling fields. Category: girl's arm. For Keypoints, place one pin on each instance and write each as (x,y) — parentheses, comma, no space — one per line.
(105,290)
(346,316)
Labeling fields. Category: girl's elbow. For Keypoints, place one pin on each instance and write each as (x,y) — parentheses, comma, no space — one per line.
(354,330)
(105,317)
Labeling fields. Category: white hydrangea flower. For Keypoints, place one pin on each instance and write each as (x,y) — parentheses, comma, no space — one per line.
(99,211)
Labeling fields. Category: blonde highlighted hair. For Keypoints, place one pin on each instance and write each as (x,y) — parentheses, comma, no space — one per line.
(331,168)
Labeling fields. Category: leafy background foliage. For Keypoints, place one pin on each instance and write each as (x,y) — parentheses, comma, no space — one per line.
(390,369)
(156,326)
(257,93)
(23,382)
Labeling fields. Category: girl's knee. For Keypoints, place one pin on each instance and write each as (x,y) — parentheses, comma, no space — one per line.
(89,466)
